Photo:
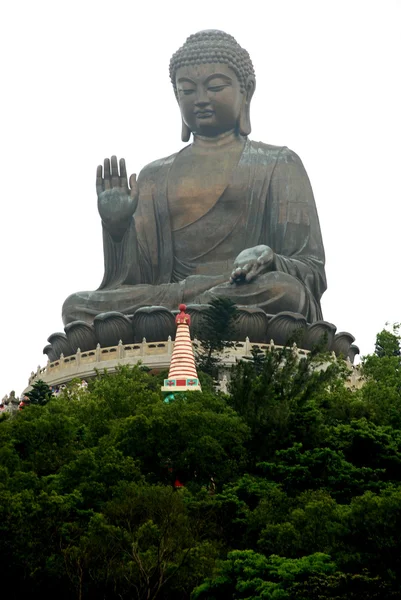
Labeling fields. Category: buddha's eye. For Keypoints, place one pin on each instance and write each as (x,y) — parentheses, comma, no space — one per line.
(216,88)
(186,92)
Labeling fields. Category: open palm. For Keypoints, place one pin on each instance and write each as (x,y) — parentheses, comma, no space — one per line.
(117,201)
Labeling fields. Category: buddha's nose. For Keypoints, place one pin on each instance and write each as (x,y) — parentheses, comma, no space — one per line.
(201,99)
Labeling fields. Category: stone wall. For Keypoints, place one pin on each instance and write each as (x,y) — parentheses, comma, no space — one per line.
(154,355)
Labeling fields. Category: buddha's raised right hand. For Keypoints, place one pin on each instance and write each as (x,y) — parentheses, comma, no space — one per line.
(115,200)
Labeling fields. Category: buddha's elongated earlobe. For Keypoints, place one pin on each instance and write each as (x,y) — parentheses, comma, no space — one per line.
(244,123)
(185,131)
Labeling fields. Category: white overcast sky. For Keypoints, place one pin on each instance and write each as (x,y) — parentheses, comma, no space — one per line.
(82,80)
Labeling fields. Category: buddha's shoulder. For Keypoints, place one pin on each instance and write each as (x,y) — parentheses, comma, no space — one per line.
(275,153)
(154,168)
(270,153)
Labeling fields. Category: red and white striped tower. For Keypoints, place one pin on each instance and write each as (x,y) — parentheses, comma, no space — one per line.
(182,376)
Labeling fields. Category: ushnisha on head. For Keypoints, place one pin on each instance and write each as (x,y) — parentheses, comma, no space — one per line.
(213,78)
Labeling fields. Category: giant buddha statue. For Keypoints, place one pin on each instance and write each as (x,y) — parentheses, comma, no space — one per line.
(223,217)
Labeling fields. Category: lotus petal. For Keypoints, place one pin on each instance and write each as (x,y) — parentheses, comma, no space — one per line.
(51,354)
(81,335)
(342,343)
(286,328)
(111,327)
(352,352)
(155,323)
(321,334)
(60,344)
(251,323)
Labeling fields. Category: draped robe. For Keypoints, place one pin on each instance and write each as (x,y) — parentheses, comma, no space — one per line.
(268,200)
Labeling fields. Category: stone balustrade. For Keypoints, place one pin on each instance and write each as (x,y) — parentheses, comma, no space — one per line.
(154,355)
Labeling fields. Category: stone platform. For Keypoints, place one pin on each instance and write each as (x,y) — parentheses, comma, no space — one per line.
(115,339)
(154,323)
(154,355)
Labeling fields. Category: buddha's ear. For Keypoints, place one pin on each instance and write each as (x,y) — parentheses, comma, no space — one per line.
(185,131)
(244,124)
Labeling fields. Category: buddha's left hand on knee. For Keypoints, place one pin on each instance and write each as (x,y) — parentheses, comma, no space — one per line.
(251,263)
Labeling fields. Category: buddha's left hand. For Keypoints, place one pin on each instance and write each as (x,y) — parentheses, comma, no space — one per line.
(252,262)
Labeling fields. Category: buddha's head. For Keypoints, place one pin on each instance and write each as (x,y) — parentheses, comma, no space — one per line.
(214,81)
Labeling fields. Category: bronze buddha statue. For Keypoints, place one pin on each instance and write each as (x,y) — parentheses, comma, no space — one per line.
(225,216)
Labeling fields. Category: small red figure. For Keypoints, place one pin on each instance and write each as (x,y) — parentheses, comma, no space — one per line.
(182,317)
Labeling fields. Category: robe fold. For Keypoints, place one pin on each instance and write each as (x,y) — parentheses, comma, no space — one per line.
(268,200)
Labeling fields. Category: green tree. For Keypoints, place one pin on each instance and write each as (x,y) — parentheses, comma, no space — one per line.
(247,574)
(40,393)
(388,343)
(144,537)
(382,373)
(304,502)
(217,331)
(281,396)
(199,435)
(344,586)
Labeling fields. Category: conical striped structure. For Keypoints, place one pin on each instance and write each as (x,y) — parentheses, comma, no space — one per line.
(182,375)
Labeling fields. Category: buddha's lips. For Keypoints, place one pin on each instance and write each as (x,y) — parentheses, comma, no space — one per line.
(204,114)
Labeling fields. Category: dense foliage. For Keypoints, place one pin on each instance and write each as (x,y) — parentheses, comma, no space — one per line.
(40,393)
(215,331)
(292,486)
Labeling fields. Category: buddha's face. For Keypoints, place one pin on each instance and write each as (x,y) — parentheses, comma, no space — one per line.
(210,98)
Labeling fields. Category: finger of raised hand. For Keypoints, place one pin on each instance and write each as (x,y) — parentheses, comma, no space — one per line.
(115,179)
(107,181)
(99,180)
(133,185)
(123,174)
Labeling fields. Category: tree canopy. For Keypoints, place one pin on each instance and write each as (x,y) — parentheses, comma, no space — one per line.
(289,486)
